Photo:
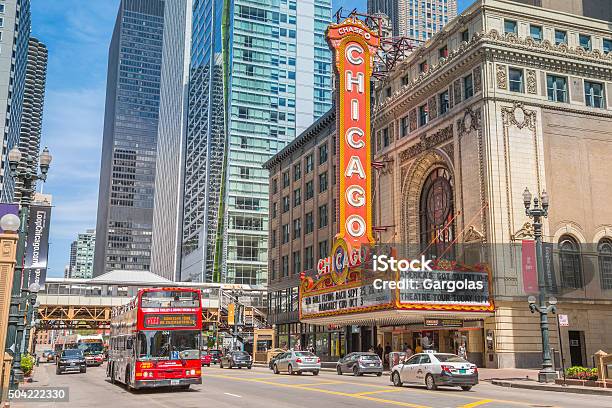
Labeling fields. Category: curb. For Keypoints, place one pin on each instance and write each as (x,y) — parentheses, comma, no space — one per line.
(553,388)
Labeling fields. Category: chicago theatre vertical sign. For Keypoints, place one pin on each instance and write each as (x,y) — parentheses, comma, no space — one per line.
(354,46)
(339,287)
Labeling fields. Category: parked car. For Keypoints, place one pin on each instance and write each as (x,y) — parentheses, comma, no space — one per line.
(47,356)
(71,360)
(436,369)
(236,359)
(274,353)
(205,358)
(297,362)
(215,356)
(360,363)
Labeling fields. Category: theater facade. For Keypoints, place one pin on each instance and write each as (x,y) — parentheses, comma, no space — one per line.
(498,101)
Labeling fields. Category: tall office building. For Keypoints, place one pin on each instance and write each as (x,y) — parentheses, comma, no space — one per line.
(82,256)
(259,75)
(416,19)
(33,102)
(167,211)
(127,175)
(15,26)
(72,261)
(388,7)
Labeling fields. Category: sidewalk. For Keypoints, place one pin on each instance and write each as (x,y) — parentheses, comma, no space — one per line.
(533,384)
(40,378)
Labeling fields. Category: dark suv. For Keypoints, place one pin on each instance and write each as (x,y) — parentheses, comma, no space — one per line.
(236,359)
(71,360)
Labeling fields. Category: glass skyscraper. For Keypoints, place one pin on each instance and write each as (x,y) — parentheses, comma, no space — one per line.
(127,175)
(260,74)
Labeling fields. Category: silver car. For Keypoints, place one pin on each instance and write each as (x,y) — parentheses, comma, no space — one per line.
(297,362)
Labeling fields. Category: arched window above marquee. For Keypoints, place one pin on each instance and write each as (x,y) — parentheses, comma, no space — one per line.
(436,214)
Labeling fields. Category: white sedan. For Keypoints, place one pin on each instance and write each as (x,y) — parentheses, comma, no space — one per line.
(436,369)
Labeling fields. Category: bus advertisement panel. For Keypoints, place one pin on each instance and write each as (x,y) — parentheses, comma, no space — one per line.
(155,339)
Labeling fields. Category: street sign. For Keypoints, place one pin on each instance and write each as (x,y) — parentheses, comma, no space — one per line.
(563,320)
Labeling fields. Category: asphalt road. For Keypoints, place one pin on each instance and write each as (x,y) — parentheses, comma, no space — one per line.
(260,388)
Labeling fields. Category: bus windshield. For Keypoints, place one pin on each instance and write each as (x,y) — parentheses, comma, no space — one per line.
(173,298)
(169,345)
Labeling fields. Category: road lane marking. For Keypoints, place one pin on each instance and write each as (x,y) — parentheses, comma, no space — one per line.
(411,389)
(232,395)
(376,392)
(342,394)
(476,403)
(316,383)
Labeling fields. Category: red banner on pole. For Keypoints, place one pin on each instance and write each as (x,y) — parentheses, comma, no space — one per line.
(530,272)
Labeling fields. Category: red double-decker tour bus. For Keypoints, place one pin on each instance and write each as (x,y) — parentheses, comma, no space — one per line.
(155,339)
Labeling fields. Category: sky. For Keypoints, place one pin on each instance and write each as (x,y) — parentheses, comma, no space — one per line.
(77,34)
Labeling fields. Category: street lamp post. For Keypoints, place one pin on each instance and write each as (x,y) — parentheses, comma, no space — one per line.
(28,176)
(32,293)
(538,211)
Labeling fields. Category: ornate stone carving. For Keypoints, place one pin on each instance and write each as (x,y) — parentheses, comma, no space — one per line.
(449,149)
(501,76)
(388,167)
(432,108)
(470,121)
(427,142)
(413,120)
(473,235)
(532,82)
(518,116)
(525,232)
(476,73)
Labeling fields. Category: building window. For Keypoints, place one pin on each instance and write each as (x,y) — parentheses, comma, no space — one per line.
(569,262)
(285,204)
(244,172)
(309,163)
(322,182)
(443,102)
(274,209)
(423,115)
(585,41)
(285,260)
(297,197)
(297,228)
(443,52)
(557,88)
(388,92)
(594,94)
(323,153)
(510,27)
(468,87)
(285,233)
(384,135)
(272,271)
(560,37)
(323,249)
(436,213)
(607,45)
(309,190)
(535,32)
(405,124)
(297,172)
(273,238)
(465,35)
(1,8)
(323,216)
(285,179)
(405,80)
(604,253)
(309,221)
(515,77)
(308,259)
(423,66)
